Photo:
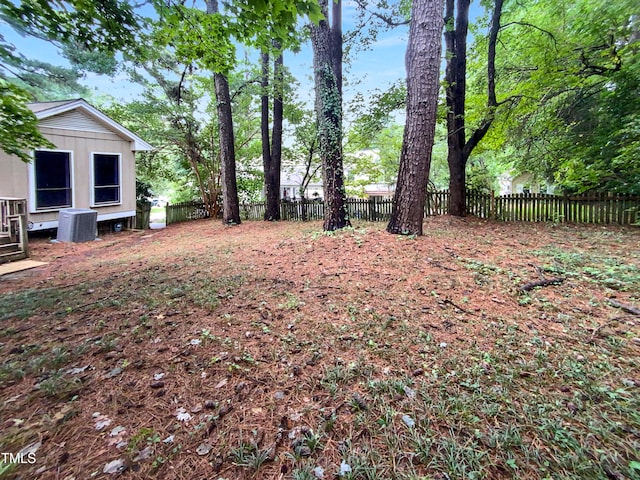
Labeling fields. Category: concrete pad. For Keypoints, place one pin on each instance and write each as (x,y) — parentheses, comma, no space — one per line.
(13,267)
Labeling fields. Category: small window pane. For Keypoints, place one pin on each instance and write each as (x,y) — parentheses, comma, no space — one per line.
(106,177)
(107,194)
(58,198)
(52,179)
(106,170)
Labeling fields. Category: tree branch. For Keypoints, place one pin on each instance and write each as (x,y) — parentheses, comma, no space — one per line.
(541,283)
(530,25)
(242,86)
(622,306)
(389,21)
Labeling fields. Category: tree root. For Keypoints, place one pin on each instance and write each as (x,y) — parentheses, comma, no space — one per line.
(541,283)
(622,306)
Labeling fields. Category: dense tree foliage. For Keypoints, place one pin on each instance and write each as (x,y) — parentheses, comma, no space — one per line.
(561,96)
(77,27)
(558,84)
(573,70)
(18,125)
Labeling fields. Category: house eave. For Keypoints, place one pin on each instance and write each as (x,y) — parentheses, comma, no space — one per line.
(137,143)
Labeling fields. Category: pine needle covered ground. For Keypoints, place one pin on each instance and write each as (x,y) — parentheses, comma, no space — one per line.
(273,350)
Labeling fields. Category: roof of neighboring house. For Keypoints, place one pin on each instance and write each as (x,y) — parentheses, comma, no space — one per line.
(44,110)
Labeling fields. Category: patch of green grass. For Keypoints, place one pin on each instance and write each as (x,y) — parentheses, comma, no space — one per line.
(248,456)
(292,303)
(606,270)
(356,234)
(60,386)
(528,406)
(11,372)
(42,362)
(24,303)
(7,469)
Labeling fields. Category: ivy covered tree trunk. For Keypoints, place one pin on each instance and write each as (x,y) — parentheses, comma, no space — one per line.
(327,64)
(230,201)
(423,70)
(272,146)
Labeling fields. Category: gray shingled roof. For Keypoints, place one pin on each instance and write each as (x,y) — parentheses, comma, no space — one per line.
(40,106)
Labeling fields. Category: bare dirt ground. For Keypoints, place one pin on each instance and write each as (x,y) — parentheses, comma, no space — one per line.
(273,350)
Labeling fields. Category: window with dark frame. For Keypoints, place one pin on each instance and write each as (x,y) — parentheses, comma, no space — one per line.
(52,171)
(106,178)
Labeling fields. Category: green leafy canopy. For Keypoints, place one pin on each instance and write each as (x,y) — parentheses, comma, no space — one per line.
(18,124)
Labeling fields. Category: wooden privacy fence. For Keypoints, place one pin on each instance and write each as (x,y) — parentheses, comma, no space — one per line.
(606,208)
(183,211)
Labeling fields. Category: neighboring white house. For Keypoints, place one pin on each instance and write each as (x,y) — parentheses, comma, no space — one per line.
(92,166)
(379,191)
(291,181)
(523,183)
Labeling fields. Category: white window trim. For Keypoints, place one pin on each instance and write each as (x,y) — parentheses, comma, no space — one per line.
(93,185)
(33,207)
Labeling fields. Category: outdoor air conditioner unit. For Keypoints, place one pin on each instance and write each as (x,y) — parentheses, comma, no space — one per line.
(77,225)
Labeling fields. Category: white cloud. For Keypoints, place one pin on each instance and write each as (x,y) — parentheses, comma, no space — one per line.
(393,41)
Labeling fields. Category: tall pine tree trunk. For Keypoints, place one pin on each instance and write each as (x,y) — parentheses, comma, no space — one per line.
(327,64)
(278,117)
(455,37)
(459,147)
(272,145)
(271,191)
(423,70)
(230,201)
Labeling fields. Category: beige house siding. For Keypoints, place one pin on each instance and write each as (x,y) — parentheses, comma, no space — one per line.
(82,135)
(13,177)
(74,120)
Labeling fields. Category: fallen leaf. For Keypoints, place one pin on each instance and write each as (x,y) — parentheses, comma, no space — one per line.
(144,454)
(30,449)
(116,466)
(344,468)
(77,370)
(408,421)
(114,373)
(221,383)
(117,431)
(182,415)
(203,449)
(102,421)
(410,392)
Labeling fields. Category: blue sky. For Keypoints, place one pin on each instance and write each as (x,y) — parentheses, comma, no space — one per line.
(376,68)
